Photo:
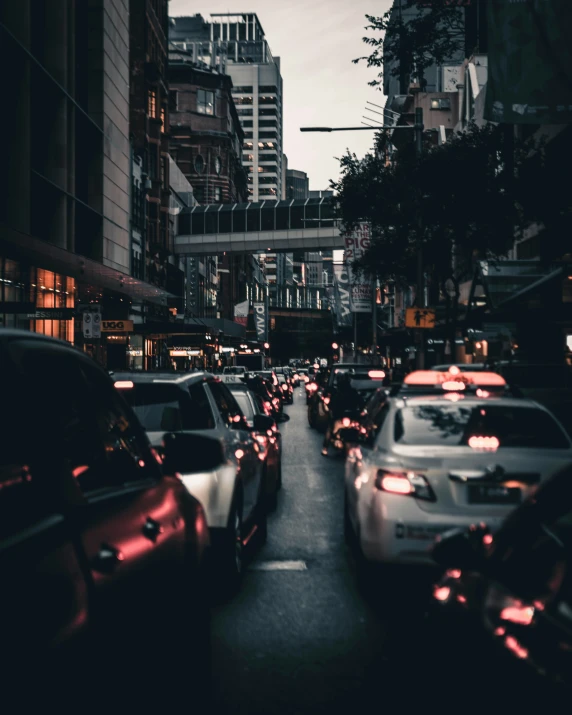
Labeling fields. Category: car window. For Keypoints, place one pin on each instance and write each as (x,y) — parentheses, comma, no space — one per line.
(164,407)
(245,405)
(127,454)
(454,425)
(227,405)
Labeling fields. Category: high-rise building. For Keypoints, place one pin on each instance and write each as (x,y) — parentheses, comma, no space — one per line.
(237,43)
(297,184)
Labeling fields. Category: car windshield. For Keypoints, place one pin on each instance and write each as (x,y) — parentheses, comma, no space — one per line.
(475,367)
(168,408)
(234,371)
(454,425)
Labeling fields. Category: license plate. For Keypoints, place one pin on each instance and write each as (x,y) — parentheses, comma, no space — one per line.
(493,494)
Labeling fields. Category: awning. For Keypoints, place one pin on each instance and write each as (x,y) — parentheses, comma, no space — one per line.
(22,246)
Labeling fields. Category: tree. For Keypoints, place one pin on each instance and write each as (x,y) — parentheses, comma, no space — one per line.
(415,35)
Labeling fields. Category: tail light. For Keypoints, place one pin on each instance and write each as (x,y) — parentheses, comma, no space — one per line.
(326,400)
(406,483)
(276,402)
(268,408)
(285,388)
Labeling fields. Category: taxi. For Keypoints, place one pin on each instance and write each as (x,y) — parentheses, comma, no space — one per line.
(450,450)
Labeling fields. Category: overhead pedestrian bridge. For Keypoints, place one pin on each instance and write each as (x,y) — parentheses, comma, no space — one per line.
(258,227)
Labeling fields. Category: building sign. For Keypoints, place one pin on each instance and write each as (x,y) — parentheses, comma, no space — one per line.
(135,352)
(261,321)
(419,318)
(51,314)
(183,352)
(116,326)
(357,243)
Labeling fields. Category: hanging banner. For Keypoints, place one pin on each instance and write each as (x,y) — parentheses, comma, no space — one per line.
(241,313)
(357,242)
(342,296)
(261,321)
(361,294)
(529,61)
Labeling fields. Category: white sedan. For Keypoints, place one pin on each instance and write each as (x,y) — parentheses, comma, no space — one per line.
(440,462)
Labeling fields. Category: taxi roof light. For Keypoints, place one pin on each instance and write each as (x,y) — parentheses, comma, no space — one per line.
(124,384)
(434,378)
(376,374)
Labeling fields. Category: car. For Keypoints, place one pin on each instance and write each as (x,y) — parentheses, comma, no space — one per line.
(441,461)
(101,548)
(277,395)
(322,395)
(197,422)
(515,586)
(270,440)
(287,389)
(273,404)
(235,370)
(303,375)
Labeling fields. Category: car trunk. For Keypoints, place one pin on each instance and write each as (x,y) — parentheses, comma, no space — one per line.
(469,482)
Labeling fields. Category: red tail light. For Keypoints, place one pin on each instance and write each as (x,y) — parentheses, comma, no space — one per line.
(406,483)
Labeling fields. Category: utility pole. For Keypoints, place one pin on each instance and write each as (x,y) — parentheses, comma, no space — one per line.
(420,297)
(374,318)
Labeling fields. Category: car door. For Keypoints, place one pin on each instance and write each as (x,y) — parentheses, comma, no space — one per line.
(44,598)
(243,445)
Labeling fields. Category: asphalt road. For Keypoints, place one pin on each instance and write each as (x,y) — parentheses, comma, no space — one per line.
(302,637)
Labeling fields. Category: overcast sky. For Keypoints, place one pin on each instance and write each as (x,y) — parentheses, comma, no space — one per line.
(316,41)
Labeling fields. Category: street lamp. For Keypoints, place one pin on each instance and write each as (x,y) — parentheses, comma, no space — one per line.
(335,346)
(418,129)
(266,346)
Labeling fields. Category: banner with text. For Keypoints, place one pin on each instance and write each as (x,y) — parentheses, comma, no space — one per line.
(241,313)
(357,242)
(342,312)
(261,321)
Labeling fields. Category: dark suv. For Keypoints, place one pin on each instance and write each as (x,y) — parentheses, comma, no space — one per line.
(100,552)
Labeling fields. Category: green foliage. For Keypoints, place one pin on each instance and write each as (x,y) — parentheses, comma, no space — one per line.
(412,38)
(457,197)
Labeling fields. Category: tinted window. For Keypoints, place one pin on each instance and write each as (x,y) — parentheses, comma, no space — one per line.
(161,407)
(454,425)
(245,405)
(226,403)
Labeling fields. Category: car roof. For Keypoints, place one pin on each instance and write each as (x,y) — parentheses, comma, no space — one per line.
(238,387)
(160,377)
(13,333)
(466,400)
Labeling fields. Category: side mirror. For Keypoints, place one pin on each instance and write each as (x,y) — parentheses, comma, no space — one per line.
(191,453)
(461,549)
(262,423)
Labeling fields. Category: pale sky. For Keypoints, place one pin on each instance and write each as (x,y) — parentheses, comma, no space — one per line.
(316,41)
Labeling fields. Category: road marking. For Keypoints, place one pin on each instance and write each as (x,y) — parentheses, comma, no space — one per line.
(279,566)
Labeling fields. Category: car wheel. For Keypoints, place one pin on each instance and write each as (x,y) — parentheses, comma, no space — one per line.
(232,549)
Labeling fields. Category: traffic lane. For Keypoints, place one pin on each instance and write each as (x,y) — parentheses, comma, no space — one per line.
(298,641)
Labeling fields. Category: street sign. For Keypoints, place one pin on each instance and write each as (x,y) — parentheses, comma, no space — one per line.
(420,318)
(91,321)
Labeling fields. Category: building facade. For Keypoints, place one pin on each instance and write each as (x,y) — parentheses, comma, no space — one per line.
(65,239)
(237,42)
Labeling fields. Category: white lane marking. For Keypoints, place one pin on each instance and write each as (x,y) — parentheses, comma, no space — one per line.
(279,566)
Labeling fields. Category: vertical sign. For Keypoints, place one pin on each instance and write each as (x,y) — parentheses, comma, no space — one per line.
(91,321)
(357,242)
(261,321)
(241,313)
(342,296)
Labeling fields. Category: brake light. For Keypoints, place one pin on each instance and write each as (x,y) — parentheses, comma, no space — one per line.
(267,407)
(483,393)
(396,485)
(485,443)
(276,402)
(453,385)
(261,439)
(407,483)
(124,385)
(454,370)
(513,645)
(441,593)
(376,374)
(346,422)
(285,388)
(522,615)
(239,454)
(156,456)
(326,400)
(312,386)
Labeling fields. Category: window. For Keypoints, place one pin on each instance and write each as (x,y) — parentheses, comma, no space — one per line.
(225,401)
(174,100)
(152,103)
(267,122)
(248,135)
(267,100)
(248,157)
(267,180)
(218,194)
(246,122)
(268,88)
(205,102)
(453,425)
(243,100)
(242,90)
(245,405)
(163,407)
(164,181)
(199,164)
(245,111)
(268,192)
(247,145)
(163,120)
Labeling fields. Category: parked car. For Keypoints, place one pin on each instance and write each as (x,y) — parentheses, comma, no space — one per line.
(101,551)
(516,585)
(269,439)
(203,433)
(446,461)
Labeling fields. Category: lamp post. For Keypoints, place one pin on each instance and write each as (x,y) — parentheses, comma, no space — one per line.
(418,129)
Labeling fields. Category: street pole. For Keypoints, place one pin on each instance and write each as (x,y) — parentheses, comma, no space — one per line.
(420,352)
(355,336)
(374,326)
